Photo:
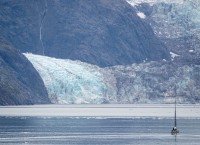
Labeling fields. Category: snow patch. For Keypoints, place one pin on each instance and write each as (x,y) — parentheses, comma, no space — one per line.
(141,15)
(151,2)
(191,50)
(173,55)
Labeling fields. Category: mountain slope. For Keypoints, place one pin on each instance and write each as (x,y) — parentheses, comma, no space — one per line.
(100,32)
(19,81)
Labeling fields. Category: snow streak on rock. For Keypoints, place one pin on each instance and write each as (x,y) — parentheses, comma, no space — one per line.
(141,15)
(173,55)
(136,2)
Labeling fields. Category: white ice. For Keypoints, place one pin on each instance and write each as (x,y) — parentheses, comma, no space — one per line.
(71,82)
(136,2)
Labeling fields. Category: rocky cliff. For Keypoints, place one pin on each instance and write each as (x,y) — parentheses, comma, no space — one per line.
(20,83)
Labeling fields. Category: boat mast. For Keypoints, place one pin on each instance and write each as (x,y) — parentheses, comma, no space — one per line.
(175,114)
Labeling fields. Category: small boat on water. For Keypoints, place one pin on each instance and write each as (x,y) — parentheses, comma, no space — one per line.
(174,130)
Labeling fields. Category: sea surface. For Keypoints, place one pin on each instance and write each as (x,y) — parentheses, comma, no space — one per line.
(97,131)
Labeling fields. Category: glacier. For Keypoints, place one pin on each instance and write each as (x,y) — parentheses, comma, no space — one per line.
(72,82)
(176,23)
(173,18)
(75,82)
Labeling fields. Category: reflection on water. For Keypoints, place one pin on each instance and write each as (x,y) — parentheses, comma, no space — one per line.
(97,131)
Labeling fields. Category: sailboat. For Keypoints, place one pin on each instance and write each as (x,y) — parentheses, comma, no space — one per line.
(174,130)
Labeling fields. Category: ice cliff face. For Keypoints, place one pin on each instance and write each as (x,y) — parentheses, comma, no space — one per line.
(74,82)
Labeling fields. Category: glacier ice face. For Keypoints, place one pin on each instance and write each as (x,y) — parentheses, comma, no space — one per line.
(75,82)
(177,19)
(72,82)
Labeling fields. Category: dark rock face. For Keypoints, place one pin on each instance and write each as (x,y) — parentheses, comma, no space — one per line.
(19,24)
(101,32)
(19,81)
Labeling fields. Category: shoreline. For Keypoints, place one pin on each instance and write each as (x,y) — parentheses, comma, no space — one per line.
(103,110)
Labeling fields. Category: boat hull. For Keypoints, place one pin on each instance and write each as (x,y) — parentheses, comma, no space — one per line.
(174,132)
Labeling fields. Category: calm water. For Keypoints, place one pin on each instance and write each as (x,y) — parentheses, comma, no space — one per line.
(97,131)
